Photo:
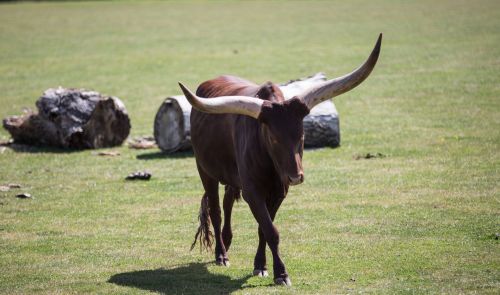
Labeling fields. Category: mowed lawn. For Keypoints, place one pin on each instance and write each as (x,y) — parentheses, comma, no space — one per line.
(423,219)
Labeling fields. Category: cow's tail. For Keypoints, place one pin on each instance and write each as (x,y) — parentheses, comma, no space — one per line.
(203,234)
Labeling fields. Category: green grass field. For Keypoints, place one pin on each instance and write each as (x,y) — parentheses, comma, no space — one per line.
(421,220)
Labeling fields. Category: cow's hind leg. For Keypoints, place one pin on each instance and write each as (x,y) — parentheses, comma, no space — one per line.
(211,196)
(231,194)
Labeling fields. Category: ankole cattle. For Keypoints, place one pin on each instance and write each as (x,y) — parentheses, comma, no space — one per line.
(250,139)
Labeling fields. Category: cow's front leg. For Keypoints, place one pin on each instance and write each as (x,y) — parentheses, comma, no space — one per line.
(271,235)
(259,263)
(260,268)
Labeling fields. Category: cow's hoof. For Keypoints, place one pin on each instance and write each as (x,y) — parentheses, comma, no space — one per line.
(283,281)
(260,272)
(222,262)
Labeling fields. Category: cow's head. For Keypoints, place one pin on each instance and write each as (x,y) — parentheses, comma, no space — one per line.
(282,121)
(283,136)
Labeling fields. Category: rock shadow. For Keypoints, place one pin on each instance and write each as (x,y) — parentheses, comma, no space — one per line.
(162,155)
(193,278)
(37,149)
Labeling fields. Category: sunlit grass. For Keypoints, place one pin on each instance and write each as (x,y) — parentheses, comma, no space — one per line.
(422,219)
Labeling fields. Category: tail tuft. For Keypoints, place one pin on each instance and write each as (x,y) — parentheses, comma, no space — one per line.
(203,234)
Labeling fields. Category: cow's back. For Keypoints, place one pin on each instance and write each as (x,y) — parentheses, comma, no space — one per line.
(212,134)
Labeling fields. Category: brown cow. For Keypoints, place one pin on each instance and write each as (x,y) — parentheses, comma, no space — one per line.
(249,138)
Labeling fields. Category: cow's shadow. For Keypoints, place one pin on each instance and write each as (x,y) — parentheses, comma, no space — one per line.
(193,278)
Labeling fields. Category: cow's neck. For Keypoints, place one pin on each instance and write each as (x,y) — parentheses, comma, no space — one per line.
(273,178)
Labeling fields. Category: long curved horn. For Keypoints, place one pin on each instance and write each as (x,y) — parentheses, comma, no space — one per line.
(244,105)
(337,86)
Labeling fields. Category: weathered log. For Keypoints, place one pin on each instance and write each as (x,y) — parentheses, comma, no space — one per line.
(172,124)
(321,126)
(72,118)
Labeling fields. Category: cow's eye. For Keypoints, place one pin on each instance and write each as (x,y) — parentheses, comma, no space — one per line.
(274,140)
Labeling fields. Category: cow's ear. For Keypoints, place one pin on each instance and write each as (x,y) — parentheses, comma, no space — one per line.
(265,112)
(265,91)
(297,106)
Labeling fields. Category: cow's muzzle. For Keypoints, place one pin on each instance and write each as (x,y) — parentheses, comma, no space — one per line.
(296,179)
